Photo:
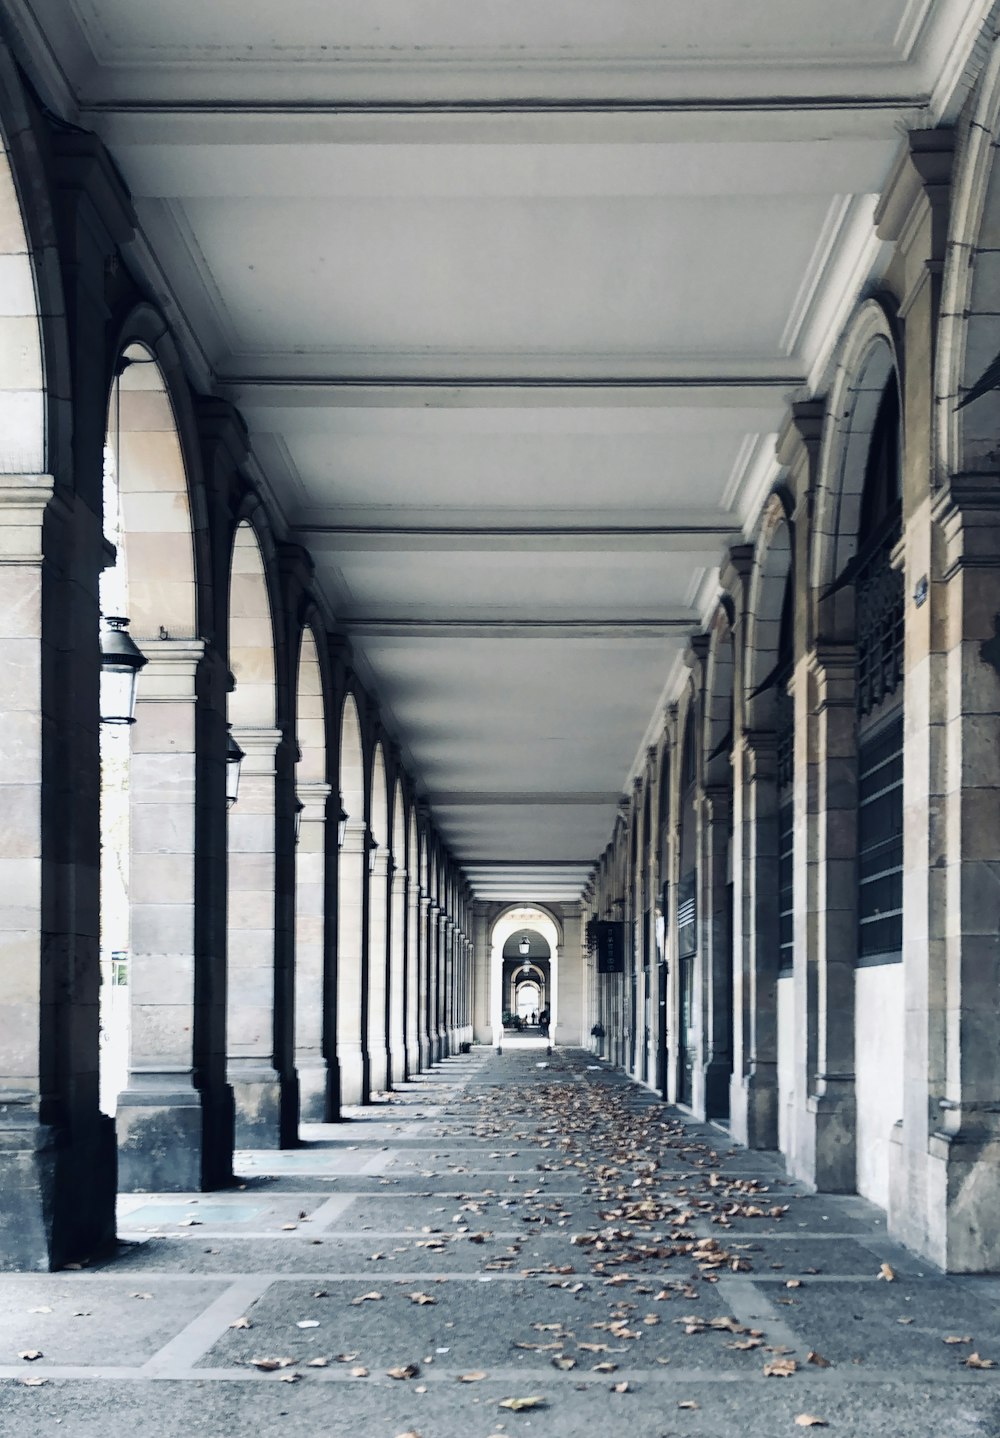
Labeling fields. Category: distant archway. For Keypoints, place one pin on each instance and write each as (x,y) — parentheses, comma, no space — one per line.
(541,928)
(379,866)
(312,792)
(352,997)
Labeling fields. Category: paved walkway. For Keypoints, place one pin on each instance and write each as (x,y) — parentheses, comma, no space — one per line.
(515,1227)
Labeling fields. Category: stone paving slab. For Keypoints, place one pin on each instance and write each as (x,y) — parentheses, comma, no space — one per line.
(173,1365)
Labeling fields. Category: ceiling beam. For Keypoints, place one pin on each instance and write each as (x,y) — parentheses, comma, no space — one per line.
(677,625)
(763,390)
(494,539)
(481,799)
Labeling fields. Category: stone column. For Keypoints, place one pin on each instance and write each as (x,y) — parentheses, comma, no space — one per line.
(160,1123)
(412,959)
(256,1080)
(378,959)
(57,1156)
(716,828)
(827,935)
(398,979)
(952,1007)
(439,920)
(311,950)
(756,949)
(423,980)
(352,998)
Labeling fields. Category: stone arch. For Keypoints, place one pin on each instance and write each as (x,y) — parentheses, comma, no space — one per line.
(255,986)
(398,926)
(510,921)
(966,439)
(379,865)
(869,355)
(772,565)
(24,398)
(312,793)
(413,942)
(352,996)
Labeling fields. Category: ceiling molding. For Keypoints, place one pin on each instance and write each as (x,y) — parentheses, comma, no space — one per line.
(690,540)
(677,626)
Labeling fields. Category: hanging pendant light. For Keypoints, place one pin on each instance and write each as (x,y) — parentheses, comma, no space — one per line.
(234,760)
(121,660)
(342,827)
(524,947)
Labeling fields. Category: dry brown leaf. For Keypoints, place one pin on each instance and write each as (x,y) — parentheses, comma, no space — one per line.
(35,1381)
(318,1363)
(780,1368)
(421,1298)
(953,1338)
(404,1370)
(30,1354)
(886,1272)
(359,1372)
(605,1367)
(817,1360)
(563,1361)
(904,1321)
(518,1405)
(131,1295)
(689,1403)
(476,1376)
(793,1282)
(241,1323)
(974,1361)
(367,1298)
(44,1308)
(410,1433)
(622,1387)
(289,1377)
(809,1420)
(268,1365)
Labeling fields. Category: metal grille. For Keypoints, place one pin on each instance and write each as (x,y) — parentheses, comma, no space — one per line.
(880,606)
(785,736)
(687,914)
(786,901)
(880,842)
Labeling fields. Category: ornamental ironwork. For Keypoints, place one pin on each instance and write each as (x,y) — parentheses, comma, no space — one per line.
(880,608)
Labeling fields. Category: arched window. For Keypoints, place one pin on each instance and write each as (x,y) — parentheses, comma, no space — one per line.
(879,606)
(785,744)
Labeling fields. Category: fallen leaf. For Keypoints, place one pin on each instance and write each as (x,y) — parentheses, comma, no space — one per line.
(518,1405)
(780,1368)
(131,1295)
(305,1323)
(886,1272)
(817,1360)
(318,1363)
(268,1365)
(622,1387)
(405,1370)
(904,1321)
(689,1403)
(973,1361)
(809,1420)
(359,1372)
(35,1381)
(30,1354)
(421,1298)
(563,1361)
(952,1338)
(367,1298)
(43,1309)
(605,1367)
(475,1377)
(289,1377)
(241,1323)
(793,1283)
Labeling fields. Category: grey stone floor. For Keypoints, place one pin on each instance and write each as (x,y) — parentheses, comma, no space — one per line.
(502,1230)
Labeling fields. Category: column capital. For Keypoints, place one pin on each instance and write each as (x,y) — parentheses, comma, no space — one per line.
(717,802)
(23,498)
(760,754)
(833,669)
(171,668)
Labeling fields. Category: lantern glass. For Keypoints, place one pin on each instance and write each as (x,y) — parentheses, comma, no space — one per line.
(524,947)
(234,761)
(299,806)
(121,660)
(372,851)
(342,828)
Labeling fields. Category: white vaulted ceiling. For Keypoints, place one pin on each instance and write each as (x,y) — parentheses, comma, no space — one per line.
(513,298)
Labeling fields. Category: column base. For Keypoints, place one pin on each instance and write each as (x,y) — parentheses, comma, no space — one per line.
(378,1069)
(827,1151)
(314,1089)
(160,1130)
(266,1106)
(413,1064)
(717,1080)
(354,1088)
(753,1107)
(426,1052)
(57,1199)
(953,1222)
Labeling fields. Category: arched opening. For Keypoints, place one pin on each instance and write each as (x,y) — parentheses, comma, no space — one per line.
(687,913)
(646,898)
(312,793)
(379,864)
(717,848)
(352,997)
(398,933)
(252,999)
(413,885)
(524,947)
(635,940)
(661,926)
(879,606)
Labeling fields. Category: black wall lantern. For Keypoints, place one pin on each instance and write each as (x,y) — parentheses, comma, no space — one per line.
(372,851)
(299,806)
(342,827)
(234,760)
(121,660)
(524,947)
